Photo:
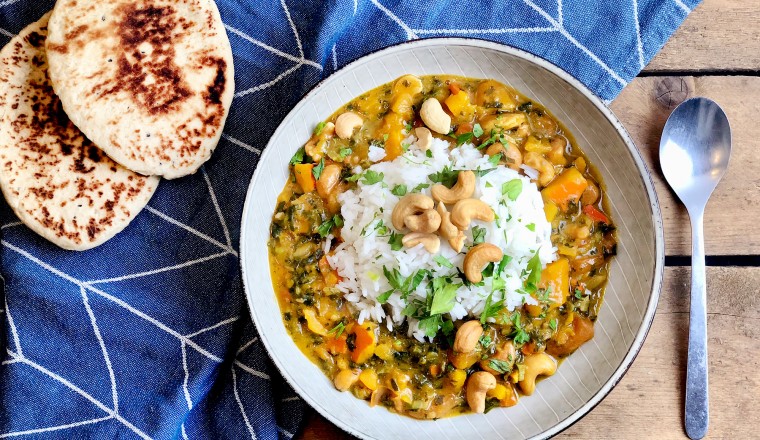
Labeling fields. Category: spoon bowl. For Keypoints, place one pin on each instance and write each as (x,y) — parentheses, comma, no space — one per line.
(694,150)
(694,153)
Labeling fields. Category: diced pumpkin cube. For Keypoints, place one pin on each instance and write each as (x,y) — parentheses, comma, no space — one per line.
(537,145)
(556,275)
(390,130)
(457,378)
(498,393)
(565,188)
(365,342)
(337,345)
(369,378)
(304,176)
(551,210)
(459,104)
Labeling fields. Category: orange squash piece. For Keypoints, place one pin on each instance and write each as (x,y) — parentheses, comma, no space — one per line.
(304,176)
(365,343)
(556,276)
(566,188)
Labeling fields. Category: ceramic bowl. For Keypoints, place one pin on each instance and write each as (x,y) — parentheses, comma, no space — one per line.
(588,375)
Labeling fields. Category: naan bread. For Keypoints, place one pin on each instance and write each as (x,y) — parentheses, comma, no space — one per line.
(57,182)
(149,81)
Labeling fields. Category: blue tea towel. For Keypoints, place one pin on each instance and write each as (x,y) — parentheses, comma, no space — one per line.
(149,335)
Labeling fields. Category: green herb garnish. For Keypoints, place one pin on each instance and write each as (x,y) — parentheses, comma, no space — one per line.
(512,189)
(478,235)
(477,130)
(298,157)
(443,261)
(317,170)
(399,190)
(318,129)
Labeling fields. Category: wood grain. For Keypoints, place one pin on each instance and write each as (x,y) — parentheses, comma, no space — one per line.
(648,401)
(731,217)
(719,35)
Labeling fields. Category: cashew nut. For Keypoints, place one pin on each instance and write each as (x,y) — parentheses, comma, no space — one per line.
(328,179)
(542,165)
(539,364)
(468,336)
(414,203)
(448,230)
(511,154)
(478,257)
(434,117)
(463,189)
(424,138)
(346,124)
(430,242)
(478,385)
(506,353)
(427,222)
(346,378)
(467,210)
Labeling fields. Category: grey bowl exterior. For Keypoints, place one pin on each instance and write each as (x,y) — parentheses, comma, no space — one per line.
(588,375)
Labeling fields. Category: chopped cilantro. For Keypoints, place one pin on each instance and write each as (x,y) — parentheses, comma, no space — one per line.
(371,177)
(442,261)
(481,173)
(318,129)
(298,157)
(500,366)
(317,170)
(502,264)
(485,341)
(399,190)
(519,334)
(531,227)
(491,309)
(354,177)
(395,241)
(464,138)
(383,298)
(430,325)
(345,152)
(420,187)
(447,327)
(478,235)
(534,273)
(489,185)
(578,293)
(553,323)
(494,160)
(477,130)
(444,297)
(512,189)
(429,153)
(446,176)
(325,228)
(408,127)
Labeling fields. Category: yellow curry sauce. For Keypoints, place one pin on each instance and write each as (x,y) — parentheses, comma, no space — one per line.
(430,379)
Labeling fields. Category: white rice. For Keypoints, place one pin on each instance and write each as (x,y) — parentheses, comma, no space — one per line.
(360,259)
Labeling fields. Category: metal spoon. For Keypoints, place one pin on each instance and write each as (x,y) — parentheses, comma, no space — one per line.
(694,152)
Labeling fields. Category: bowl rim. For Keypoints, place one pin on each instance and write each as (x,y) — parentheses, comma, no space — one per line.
(643,172)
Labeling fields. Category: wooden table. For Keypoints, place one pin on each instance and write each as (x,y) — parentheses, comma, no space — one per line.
(716,53)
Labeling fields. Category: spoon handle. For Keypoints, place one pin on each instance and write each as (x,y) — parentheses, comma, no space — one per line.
(697,409)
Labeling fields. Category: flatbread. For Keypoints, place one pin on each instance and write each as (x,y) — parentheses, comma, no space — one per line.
(55,180)
(150,82)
